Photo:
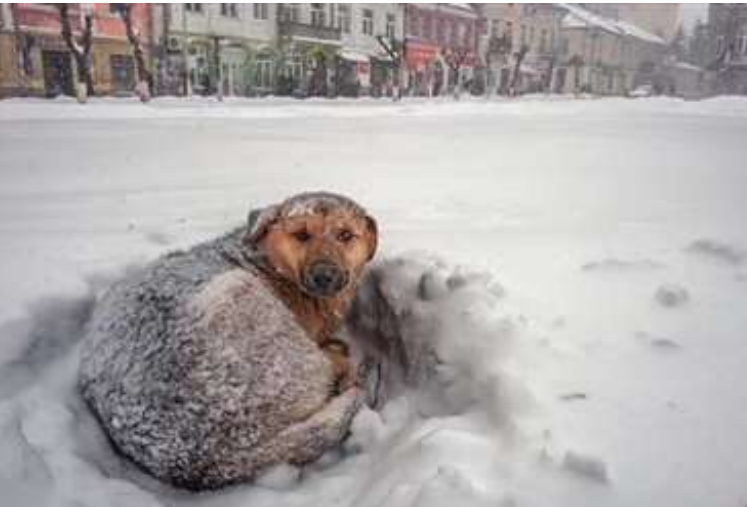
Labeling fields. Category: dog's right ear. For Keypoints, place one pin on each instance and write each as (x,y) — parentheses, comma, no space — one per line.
(259,222)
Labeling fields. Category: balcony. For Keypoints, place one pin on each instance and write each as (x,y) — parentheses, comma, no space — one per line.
(305,31)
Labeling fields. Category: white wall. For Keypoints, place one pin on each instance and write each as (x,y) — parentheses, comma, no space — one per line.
(212,22)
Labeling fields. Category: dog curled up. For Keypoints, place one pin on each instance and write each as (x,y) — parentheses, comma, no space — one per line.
(213,364)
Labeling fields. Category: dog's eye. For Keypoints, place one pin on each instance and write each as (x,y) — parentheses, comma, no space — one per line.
(302,236)
(345,236)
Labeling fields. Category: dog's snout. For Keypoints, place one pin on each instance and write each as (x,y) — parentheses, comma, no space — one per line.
(325,278)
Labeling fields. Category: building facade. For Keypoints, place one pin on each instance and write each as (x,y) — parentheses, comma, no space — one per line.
(369,34)
(520,46)
(226,49)
(441,53)
(35,60)
(607,56)
(727,31)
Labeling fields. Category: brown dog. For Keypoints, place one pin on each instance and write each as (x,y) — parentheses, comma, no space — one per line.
(212,364)
(313,257)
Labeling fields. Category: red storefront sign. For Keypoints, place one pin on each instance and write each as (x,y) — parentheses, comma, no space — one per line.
(419,56)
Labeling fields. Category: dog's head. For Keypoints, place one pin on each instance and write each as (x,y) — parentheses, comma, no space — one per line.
(319,241)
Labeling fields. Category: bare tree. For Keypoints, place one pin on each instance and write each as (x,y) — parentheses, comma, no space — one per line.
(395,50)
(144,75)
(80,49)
(498,49)
(455,59)
(518,60)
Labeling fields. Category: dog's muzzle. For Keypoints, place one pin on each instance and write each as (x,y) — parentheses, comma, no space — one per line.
(324,279)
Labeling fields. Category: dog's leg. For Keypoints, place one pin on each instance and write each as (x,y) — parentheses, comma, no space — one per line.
(307,440)
(339,353)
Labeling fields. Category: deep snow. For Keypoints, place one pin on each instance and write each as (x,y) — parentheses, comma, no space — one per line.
(596,358)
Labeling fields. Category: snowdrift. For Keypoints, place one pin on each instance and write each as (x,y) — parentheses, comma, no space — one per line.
(447,406)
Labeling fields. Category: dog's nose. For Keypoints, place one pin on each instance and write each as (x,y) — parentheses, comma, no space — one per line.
(325,278)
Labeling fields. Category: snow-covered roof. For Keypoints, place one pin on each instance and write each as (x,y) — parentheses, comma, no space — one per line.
(639,33)
(578,17)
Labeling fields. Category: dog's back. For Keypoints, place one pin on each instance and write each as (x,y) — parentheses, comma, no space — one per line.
(203,377)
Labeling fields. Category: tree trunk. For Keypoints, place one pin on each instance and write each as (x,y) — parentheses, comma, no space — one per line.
(517,69)
(81,51)
(144,76)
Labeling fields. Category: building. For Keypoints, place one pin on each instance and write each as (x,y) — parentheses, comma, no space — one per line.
(659,19)
(369,34)
(309,40)
(223,48)
(727,31)
(520,45)
(440,47)
(35,60)
(607,56)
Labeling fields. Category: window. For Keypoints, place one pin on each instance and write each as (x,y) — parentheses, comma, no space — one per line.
(290,13)
(531,36)
(261,11)
(391,21)
(427,26)
(123,72)
(317,15)
(510,31)
(343,18)
(468,37)
(229,10)
(495,27)
(543,41)
(368,22)
(414,27)
(197,8)
(263,73)
(523,35)
(440,30)
(454,38)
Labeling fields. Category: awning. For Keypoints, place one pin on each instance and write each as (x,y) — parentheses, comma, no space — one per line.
(354,56)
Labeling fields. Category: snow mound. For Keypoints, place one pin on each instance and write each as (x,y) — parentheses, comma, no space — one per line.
(446,426)
(671,295)
(614,265)
(719,251)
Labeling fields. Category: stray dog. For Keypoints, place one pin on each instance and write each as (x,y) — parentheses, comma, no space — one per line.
(213,364)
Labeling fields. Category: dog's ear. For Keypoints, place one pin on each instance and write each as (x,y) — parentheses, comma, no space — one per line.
(259,222)
(373,235)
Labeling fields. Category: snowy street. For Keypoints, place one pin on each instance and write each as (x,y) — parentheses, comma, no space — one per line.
(615,227)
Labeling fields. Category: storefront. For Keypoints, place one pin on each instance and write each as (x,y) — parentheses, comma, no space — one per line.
(353,73)
(421,63)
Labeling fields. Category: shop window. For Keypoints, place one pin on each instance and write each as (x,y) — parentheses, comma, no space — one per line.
(123,73)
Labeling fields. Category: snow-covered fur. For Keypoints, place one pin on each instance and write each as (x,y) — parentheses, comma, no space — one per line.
(202,376)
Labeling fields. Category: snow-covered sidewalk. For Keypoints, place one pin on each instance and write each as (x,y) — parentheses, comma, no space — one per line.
(587,306)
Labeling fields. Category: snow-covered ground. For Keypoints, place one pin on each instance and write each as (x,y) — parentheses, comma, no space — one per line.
(601,363)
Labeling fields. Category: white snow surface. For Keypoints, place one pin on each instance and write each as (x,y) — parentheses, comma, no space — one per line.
(548,237)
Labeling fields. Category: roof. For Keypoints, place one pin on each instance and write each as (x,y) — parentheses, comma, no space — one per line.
(578,17)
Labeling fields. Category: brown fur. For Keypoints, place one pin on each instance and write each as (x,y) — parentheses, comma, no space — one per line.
(290,244)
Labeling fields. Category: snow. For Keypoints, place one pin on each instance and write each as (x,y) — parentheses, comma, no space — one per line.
(524,245)
(578,17)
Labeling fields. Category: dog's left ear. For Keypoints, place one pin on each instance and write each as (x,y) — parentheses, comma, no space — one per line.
(259,223)
(373,236)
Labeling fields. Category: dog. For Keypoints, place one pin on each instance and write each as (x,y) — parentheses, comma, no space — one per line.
(213,364)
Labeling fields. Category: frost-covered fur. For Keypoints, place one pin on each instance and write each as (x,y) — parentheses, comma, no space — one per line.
(202,376)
